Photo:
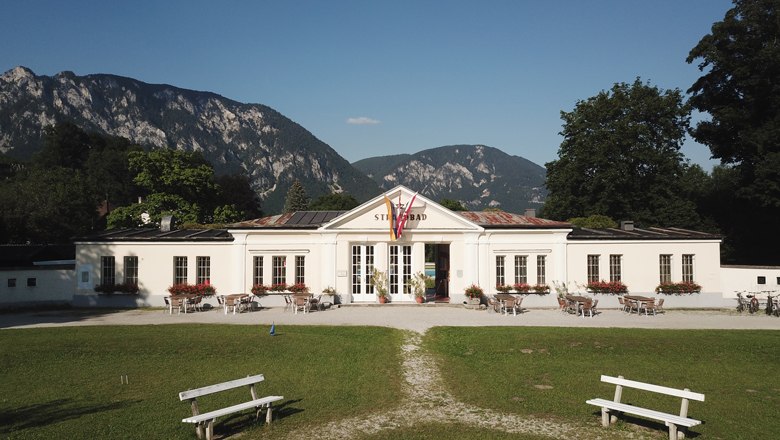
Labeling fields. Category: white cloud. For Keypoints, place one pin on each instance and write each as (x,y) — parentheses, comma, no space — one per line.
(362,121)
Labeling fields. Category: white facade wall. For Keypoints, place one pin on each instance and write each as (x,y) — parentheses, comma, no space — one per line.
(747,279)
(52,286)
(155,269)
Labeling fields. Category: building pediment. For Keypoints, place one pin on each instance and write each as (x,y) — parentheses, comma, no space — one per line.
(377,215)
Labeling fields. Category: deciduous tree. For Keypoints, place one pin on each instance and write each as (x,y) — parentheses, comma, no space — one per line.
(620,157)
(740,91)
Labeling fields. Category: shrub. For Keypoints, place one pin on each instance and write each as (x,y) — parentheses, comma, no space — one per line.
(541,289)
(259,289)
(202,289)
(522,288)
(279,287)
(681,288)
(503,288)
(610,287)
(298,288)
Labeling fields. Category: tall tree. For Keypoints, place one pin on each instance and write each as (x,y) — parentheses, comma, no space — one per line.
(620,157)
(740,90)
(452,205)
(297,199)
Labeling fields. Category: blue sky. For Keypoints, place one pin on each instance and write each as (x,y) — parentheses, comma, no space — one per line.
(379,77)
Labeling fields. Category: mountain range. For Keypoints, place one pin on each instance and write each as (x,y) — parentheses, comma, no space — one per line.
(255,139)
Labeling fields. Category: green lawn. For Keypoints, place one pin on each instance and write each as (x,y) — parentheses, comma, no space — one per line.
(553,371)
(65,382)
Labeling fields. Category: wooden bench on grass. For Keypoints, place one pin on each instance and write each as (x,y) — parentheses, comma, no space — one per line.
(205,422)
(671,420)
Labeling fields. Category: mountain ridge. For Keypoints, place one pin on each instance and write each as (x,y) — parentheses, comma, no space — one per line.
(270,148)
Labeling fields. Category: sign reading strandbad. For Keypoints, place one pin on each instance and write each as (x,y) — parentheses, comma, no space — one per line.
(398,215)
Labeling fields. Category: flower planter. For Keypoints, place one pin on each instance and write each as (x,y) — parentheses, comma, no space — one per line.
(382,299)
(419,299)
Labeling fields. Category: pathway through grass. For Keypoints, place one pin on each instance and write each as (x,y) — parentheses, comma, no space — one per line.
(426,400)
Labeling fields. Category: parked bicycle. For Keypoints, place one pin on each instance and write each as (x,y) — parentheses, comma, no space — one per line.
(771,303)
(750,304)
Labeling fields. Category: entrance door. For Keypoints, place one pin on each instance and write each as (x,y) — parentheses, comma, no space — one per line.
(362,266)
(442,270)
(400,270)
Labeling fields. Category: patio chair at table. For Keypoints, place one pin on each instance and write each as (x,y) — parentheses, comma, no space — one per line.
(288,303)
(624,306)
(562,307)
(177,303)
(587,307)
(509,304)
(632,305)
(659,308)
(648,306)
(494,304)
(301,303)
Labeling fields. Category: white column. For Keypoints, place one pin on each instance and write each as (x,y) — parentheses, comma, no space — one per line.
(239,266)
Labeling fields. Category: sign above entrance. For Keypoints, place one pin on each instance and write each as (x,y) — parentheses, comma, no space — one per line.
(397,215)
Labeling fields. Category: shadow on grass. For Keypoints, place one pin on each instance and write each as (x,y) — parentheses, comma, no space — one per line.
(63,315)
(648,424)
(237,423)
(55,411)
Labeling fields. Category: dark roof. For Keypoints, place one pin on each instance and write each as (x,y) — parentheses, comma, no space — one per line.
(508,220)
(294,220)
(27,255)
(640,234)
(154,234)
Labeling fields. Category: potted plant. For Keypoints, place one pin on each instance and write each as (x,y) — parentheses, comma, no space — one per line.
(279,287)
(503,288)
(474,293)
(561,289)
(522,288)
(681,288)
(259,289)
(379,281)
(329,292)
(541,289)
(419,283)
(298,288)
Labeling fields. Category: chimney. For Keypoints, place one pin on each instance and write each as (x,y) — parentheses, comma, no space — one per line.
(627,225)
(530,212)
(166,224)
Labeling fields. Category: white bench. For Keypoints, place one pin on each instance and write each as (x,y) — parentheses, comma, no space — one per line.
(205,422)
(671,420)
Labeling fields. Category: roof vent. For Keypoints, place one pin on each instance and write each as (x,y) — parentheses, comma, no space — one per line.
(166,224)
(627,225)
(530,212)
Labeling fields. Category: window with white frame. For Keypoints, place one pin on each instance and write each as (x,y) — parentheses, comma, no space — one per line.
(203,271)
(131,270)
(500,278)
(541,269)
(664,268)
(300,269)
(257,270)
(687,267)
(521,269)
(615,270)
(107,271)
(179,270)
(593,268)
(279,269)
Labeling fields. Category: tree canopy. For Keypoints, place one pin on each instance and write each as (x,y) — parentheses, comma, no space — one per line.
(297,199)
(334,202)
(452,205)
(620,157)
(740,91)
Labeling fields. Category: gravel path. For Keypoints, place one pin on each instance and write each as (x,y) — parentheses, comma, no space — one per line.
(425,392)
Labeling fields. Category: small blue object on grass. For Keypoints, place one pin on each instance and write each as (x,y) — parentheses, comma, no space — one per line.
(273,329)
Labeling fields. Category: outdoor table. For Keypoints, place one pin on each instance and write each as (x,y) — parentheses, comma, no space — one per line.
(575,302)
(640,299)
(234,300)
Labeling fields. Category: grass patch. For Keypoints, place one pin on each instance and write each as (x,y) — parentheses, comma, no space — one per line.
(451,431)
(65,382)
(553,371)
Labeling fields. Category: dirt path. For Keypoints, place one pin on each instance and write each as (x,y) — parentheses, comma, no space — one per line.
(425,392)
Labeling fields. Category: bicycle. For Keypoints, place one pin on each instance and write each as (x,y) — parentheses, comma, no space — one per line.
(750,304)
(753,304)
(771,307)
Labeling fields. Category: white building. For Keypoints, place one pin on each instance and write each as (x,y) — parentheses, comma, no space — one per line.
(339,250)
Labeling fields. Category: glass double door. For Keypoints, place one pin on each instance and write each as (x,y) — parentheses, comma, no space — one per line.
(397,269)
